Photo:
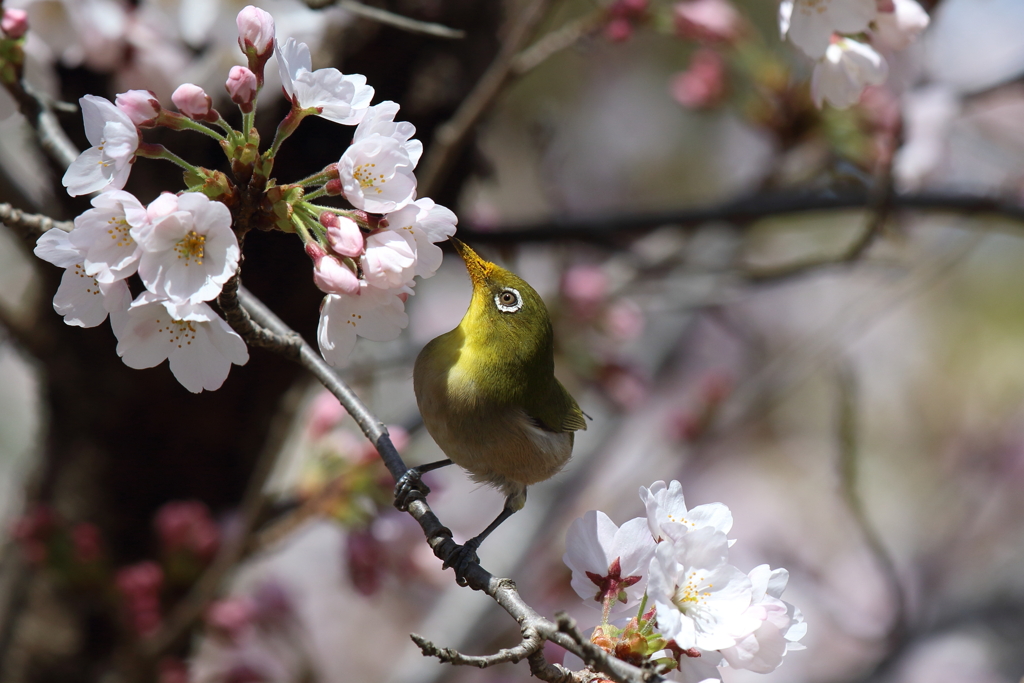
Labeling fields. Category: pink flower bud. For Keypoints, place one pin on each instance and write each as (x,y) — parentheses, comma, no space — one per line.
(325,412)
(334,187)
(708,21)
(186,526)
(585,288)
(241,86)
(14,23)
(255,30)
(618,30)
(703,84)
(344,235)
(141,106)
(229,617)
(193,102)
(330,274)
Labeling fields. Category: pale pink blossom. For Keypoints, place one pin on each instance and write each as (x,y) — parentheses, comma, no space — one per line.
(241,86)
(423,223)
(193,102)
(846,69)
(331,275)
(80,299)
(810,24)
(897,28)
(336,96)
(668,516)
(255,30)
(377,168)
(141,106)
(780,627)
(343,234)
(389,260)
(107,163)
(701,600)
(103,234)
(14,23)
(609,563)
(707,20)
(375,314)
(190,252)
(199,346)
(325,413)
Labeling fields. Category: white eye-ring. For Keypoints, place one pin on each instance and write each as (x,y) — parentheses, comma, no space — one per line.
(508,300)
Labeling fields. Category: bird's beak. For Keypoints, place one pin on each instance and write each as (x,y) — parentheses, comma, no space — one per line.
(479,269)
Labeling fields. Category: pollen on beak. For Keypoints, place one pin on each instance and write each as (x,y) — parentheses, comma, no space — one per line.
(479,269)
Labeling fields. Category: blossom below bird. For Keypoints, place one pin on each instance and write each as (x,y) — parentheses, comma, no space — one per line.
(489,397)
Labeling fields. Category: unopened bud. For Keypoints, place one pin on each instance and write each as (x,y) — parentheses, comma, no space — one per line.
(618,30)
(193,102)
(241,86)
(141,106)
(334,187)
(343,234)
(255,31)
(14,23)
(331,275)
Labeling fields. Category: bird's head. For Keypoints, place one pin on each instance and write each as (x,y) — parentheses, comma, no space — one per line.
(505,311)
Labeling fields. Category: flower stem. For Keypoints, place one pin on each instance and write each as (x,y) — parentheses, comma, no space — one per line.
(153,151)
(287,126)
(188,124)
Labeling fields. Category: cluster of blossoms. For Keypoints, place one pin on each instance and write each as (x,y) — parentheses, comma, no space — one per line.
(695,612)
(184,247)
(833,33)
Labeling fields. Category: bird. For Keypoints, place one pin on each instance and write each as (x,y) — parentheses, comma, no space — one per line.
(489,398)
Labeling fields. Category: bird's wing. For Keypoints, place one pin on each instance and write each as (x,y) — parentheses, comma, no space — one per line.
(557,412)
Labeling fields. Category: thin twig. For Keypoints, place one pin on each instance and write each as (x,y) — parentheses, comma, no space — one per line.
(390,18)
(554,42)
(847,435)
(452,135)
(37,109)
(531,644)
(30,225)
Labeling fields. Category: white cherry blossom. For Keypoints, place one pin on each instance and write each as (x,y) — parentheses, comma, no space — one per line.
(338,97)
(103,233)
(809,24)
(780,624)
(609,563)
(188,252)
(423,223)
(668,516)
(847,67)
(389,260)
(701,600)
(80,299)
(375,314)
(114,139)
(377,168)
(199,346)
(896,30)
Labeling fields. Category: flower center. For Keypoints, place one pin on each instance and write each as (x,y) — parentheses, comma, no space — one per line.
(364,174)
(690,595)
(191,248)
(118,230)
(178,332)
(94,288)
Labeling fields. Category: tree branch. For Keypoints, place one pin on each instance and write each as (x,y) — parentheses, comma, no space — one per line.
(390,18)
(38,111)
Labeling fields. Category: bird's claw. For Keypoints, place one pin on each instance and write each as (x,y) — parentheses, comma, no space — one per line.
(410,487)
(461,559)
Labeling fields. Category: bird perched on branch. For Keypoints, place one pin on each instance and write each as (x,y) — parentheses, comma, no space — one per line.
(489,398)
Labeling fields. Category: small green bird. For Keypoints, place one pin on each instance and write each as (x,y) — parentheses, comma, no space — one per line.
(488,394)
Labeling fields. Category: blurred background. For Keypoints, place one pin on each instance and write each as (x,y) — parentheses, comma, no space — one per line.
(814,316)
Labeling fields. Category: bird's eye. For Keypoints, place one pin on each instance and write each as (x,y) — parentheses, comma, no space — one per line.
(508,300)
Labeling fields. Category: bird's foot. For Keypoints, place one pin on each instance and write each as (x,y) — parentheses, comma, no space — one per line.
(462,558)
(410,487)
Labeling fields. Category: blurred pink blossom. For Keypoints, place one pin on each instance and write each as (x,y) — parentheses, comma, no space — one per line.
(186,525)
(708,21)
(325,413)
(227,618)
(702,85)
(87,542)
(618,30)
(585,288)
(139,586)
(364,557)
(624,321)
(895,29)
(14,23)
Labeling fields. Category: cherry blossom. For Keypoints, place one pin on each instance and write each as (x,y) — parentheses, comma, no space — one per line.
(329,274)
(14,23)
(701,600)
(255,30)
(343,234)
(375,314)
(241,86)
(668,517)
(114,139)
(141,106)
(848,66)
(377,168)
(781,624)
(193,102)
(609,563)
(190,251)
(336,97)
(423,223)
(809,24)
(199,346)
(80,299)
(389,260)
(897,29)
(103,233)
